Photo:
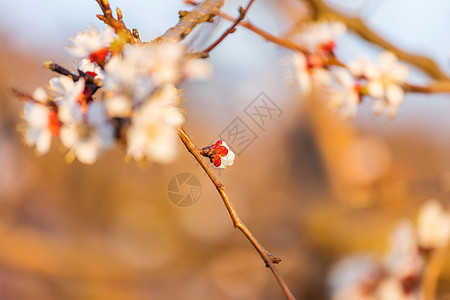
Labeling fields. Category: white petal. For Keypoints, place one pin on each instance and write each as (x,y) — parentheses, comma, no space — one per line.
(356,67)
(394,95)
(118,106)
(87,152)
(197,69)
(61,85)
(36,115)
(43,142)
(68,136)
(321,77)
(371,71)
(40,95)
(343,77)
(388,60)
(375,89)
(164,149)
(31,136)
(74,90)
(400,73)
(433,225)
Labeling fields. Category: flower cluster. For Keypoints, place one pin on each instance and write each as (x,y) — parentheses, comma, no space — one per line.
(120,93)
(320,42)
(382,82)
(346,86)
(399,276)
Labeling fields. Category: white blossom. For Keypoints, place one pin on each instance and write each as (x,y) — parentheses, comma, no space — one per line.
(344,92)
(131,77)
(433,225)
(153,131)
(307,76)
(85,135)
(321,34)
(87,42)
(41,121)
(168,63)
(383,81)
(221,155)
(403,259)
(354,278)
(92,69)
(65,89)
(391,289)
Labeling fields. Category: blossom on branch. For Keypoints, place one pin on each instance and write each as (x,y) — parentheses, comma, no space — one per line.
(91,69)
(139,70)
(219,154)
(383,81)
(153,131)
(433,225)
(344,92)
(86,134)
(92,44)
(320,37)
(42,122)
(309,72)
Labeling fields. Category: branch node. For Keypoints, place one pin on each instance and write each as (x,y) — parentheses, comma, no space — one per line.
(182,13)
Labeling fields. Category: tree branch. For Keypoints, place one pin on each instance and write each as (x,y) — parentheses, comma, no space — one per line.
(320,9)
(268,258)
(433,87)
(204,12)
(117,24)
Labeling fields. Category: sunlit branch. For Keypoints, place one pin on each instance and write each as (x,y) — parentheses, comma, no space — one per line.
(203,12)
(320,9)
(117,24)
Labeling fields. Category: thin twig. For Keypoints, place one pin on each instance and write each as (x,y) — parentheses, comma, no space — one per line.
(242,13)
(320,9)
(117,24)
(60,70)
(433,87)
(268,258)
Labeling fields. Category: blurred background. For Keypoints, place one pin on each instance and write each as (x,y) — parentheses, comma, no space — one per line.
(312,187)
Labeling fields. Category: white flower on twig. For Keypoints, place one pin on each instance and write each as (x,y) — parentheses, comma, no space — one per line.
(126,82)
(320,37)
(344,92)
(42,122)
(92,69)
(404,259)
(433,225)
(383,81)
(354,278)
(86,134)
(153,131)
(309,72)
(65,89)
(220,154)
(92,44)
(169,63)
